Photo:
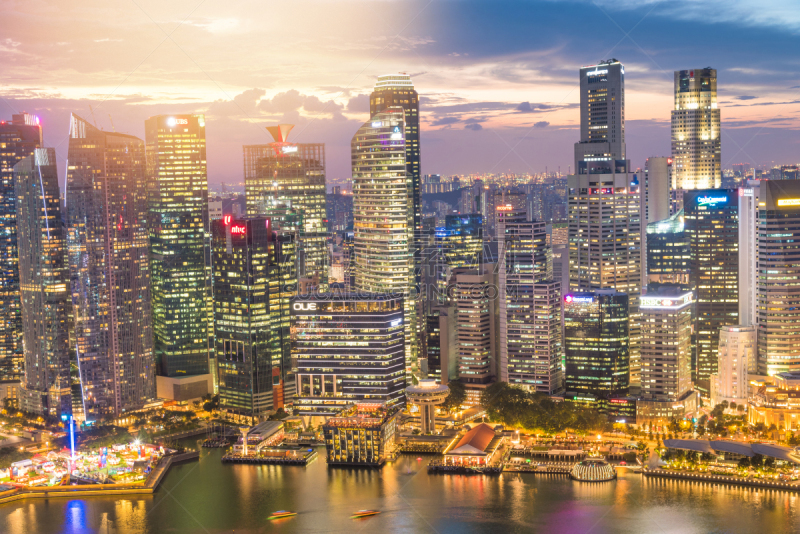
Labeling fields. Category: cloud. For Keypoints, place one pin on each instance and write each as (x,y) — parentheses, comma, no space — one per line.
(107,40)
(445,121)
(541,124)
(745,97)
(474,126)
(526,107)
(358,104)
(216,25)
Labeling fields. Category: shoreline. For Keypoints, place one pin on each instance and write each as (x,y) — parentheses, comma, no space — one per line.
(721,480)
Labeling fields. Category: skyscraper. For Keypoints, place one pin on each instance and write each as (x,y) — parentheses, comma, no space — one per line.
(657,176)
(18,139)
(748,252)
(668,251)
(44,286)
(253,266)
(178,216)
(383,218)
(108,247)
(711,225)
(696,131)
(778,285)
(476,324)
(605,212)
(283,175)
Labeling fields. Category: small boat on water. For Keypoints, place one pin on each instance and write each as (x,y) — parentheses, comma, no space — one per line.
(364,513)
(280,514)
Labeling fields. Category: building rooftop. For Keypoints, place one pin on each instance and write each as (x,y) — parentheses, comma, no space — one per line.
(476,441)
(735,447)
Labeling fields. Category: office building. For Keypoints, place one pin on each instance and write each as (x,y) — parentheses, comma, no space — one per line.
(18,139)
(361,435)
(778,285)
(383,215)
(596,345)
(602,108)
(696,131)
(748,252)
(439,343)
(254,277)
(668,252)
(283,175)
(178,217)
(477,328)
(657,182)
(348,348)
(108,248)
(44,286)
(459,243)
(711,225)
(666,343)
(737,361)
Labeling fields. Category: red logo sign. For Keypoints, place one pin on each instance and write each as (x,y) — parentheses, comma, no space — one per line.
(237,230)
(226,220)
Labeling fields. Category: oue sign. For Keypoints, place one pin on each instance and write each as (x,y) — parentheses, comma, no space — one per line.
(304,306)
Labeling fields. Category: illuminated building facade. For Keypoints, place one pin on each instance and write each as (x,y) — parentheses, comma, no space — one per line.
(596,345)
(711,225)
(602,96)
(383,215)
(668,252)
(18,139)
(737,361)
(778,285)
(657,182)
(477,328)
(282,175)
(361,435)
(696,131)
(458,244)
(44,286)
(348,348)
(178,204)
(254,278)
(748,251)
(108,248)
(666,343)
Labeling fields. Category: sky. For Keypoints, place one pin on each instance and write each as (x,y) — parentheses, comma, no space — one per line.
(498,80)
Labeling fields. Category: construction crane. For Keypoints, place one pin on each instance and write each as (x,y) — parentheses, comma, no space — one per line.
(112,123)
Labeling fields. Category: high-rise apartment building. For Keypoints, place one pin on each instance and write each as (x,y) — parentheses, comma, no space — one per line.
(283,175)
(18,139)
(596,345)
(711,225)
(383,215)
(666,343)
(778,285)
(108,247)
(737,361)
(696,131)
(348,348)
(44,286)
(254,278)
(178,217)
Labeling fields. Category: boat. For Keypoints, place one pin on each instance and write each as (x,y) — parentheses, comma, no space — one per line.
(364,513)
(280,514)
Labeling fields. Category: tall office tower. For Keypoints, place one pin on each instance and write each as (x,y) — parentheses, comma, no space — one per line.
(657,181)
(748,252)
(596,345)
(506,196)
(282,175)
(349,348)
(668,251)
(397,91)
(178,217)
(530,345)
(440,343)
(252,266)
(383,220)
(737,360)
(666,343)
(108,247)
(459,243)
(696,131)
(602,88)
(44,289)
(778,291)
(18,139)
(711,224)
(476,323)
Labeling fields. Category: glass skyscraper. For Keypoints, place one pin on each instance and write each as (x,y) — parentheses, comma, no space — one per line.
(668,255)
(44,286)
(18,139)
(178,216)
(108,247)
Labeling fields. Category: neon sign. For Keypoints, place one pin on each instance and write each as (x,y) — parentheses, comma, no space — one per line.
(377,124)
(289,149)
(505,208)
(597,72)
(304,306)
(172,121)
(238,230)
(789,202)
(569,299)
(226,220)
(710,201)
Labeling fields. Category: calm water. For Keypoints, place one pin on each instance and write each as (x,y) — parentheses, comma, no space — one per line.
(209,497)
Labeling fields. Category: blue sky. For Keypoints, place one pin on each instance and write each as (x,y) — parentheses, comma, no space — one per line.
(498,80)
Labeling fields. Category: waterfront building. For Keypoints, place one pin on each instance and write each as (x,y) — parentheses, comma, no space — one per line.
(19,137)
(596,345)
(657,182)
(254,277)
(477,325)
(776,401)
(736,362)
(383,215)
(666,343)
(44,286)
(108,248)
(778,285)
(668,251)
(477,447)
(427,394)
(178,217)
(361,435)
(712,227)
(696,131)
(283,175)
(347,348)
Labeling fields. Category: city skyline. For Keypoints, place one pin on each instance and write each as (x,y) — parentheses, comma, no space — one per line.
(478,101)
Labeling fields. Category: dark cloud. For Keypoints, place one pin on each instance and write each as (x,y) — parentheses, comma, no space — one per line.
(474,126)
(527,107)
(745,97)
(541,124)
(445,121)
(358,104)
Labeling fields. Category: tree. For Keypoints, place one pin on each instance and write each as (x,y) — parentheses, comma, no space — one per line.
(740,408)
(744,462)
(732,405)
(757,461)
(456,397)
